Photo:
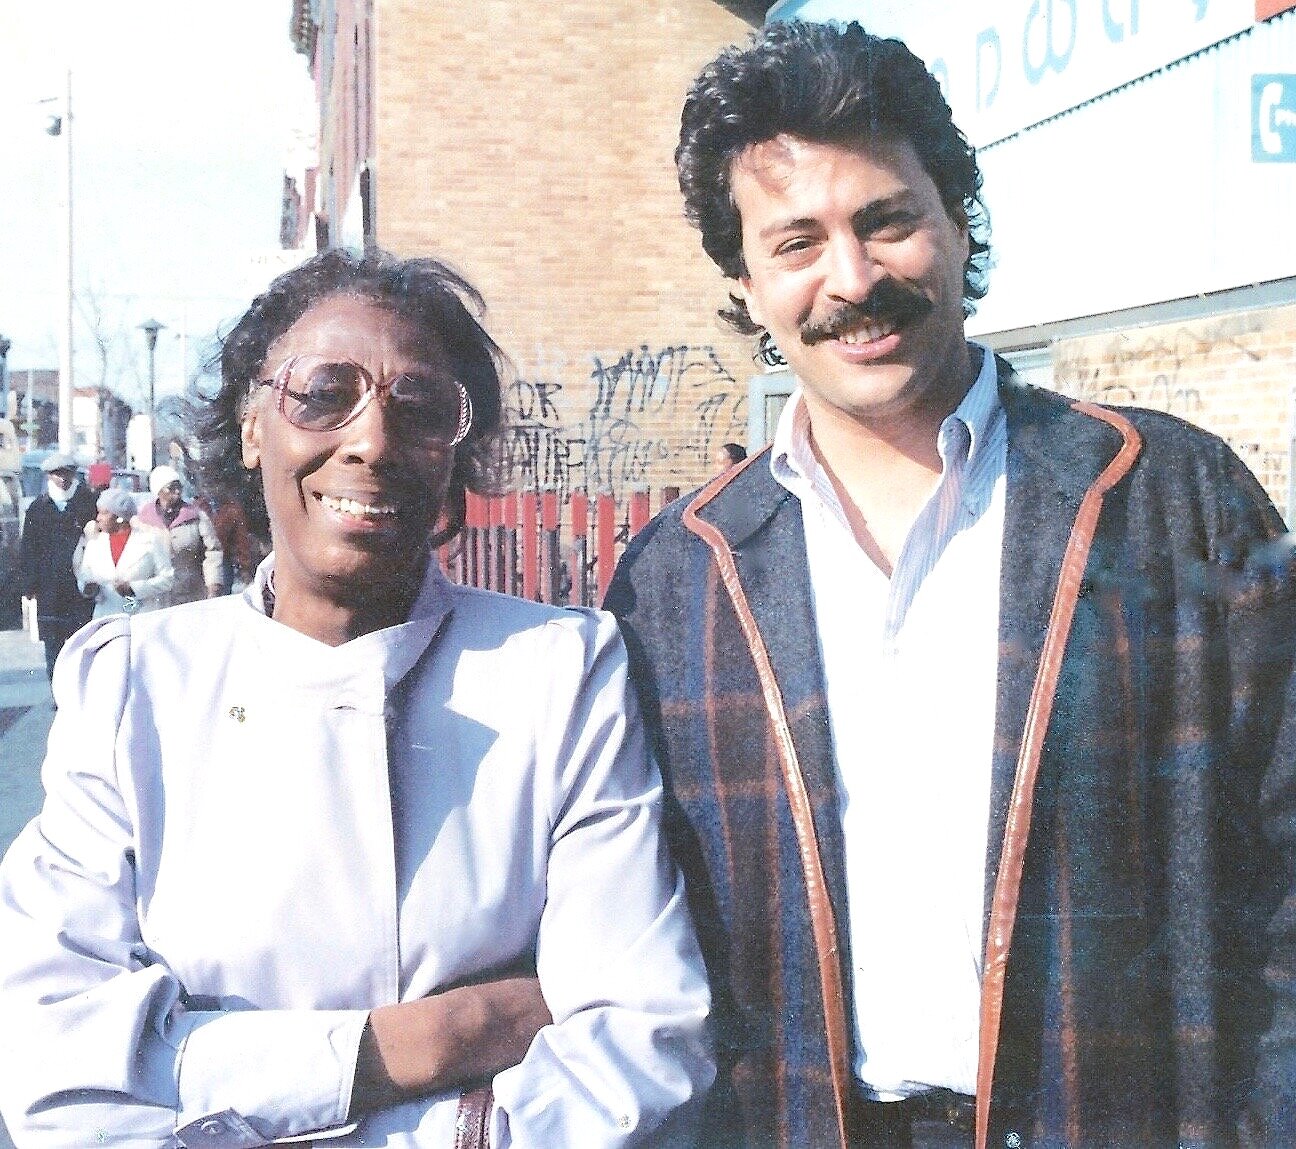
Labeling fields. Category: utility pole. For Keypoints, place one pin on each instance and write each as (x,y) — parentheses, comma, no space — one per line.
(151,327)
(61,125)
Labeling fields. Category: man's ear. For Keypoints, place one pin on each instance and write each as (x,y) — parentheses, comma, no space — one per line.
(960,221)
(250,436)
(744,292)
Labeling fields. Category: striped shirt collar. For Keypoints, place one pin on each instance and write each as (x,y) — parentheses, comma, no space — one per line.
(970,436)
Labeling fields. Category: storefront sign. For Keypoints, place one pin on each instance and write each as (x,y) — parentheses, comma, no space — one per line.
(1008,64)
(1273,118)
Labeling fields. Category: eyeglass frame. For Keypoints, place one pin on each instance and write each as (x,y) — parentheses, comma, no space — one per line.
(279,381)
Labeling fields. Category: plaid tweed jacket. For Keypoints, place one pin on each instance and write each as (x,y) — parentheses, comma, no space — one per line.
(1143,820)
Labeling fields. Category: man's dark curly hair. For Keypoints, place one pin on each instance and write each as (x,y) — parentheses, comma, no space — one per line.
(424,291)
(824,83)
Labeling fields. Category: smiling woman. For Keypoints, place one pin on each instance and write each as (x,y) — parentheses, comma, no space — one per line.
(357,854)
(362,364)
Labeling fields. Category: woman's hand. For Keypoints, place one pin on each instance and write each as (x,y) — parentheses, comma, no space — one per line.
(124,589)
(449,1039)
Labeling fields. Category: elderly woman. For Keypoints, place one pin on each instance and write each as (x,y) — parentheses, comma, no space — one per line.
(196,552)
(302,844)
(124,565)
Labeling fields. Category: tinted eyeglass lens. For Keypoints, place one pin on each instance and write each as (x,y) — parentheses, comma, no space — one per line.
(428,405)
(322,396)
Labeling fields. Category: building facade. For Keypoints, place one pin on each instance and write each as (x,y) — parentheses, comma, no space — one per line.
(532,147)
(99,417)
(1140,163)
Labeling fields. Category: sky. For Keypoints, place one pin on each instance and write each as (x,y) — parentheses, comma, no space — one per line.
(183,117)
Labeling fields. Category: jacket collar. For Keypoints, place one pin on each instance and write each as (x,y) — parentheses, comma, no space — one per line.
(398,647)
(741,502)
(1053,449)
(150,513)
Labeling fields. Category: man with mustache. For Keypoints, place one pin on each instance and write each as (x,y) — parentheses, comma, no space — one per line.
(969,698)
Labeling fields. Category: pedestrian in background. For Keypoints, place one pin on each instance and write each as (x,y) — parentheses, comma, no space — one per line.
(242,550)
(727,455)
(196,553)
(50,535)
(124,566)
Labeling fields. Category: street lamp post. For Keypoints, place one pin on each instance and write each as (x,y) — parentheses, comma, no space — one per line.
(151,327)
(61,125)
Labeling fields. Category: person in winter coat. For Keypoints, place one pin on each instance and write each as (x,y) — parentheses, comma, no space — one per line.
(123,565)
(972,701)
(195,546)
(50,535)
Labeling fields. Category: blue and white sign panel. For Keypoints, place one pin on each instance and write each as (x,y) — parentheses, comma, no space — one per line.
(1007,64)
(1273,118)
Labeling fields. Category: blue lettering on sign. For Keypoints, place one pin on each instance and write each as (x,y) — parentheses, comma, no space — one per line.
(1114,28)
(1034,65)
(987,38)
(1273,118)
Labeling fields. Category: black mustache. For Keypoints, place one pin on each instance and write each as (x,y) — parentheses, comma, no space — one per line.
(889,301)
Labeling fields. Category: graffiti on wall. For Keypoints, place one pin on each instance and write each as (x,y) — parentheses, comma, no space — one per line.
(640,416)
(1149,371)
(1162,368)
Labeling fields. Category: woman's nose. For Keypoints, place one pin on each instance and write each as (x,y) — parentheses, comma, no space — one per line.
(369,437)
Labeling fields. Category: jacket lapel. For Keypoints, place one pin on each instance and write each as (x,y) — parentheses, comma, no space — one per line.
(753,527)
(761,522)
(1062,461)
(1055,455)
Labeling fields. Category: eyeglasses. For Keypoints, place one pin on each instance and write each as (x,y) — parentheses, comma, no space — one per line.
(319,395)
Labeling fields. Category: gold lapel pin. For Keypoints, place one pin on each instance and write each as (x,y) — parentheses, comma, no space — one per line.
(238,713)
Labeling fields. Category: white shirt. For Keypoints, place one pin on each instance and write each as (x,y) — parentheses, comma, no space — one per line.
(910,667)
(251,838)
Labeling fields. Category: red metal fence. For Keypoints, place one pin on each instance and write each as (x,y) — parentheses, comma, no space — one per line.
(531,544)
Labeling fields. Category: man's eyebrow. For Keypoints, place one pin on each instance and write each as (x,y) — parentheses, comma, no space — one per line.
(871,214)
(866,217)
(779,226)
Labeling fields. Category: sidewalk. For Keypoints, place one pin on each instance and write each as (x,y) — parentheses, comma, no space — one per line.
(26,711)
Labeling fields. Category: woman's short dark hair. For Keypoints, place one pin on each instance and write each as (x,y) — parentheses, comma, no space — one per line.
(425,292)
(825,83)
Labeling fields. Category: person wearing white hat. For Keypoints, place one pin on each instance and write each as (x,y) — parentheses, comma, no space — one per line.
(196,553)
(50,534)
(124,565)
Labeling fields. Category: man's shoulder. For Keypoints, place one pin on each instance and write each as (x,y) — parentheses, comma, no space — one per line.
(731,502)
(1165,440)
(1173,449)
(85,500)
(1157,429)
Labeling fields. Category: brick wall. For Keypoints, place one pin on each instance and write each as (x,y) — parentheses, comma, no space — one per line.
(531,145)
(340,67)
(1232,374)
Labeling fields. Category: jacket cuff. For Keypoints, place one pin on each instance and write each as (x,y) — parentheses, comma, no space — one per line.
(250,1078)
